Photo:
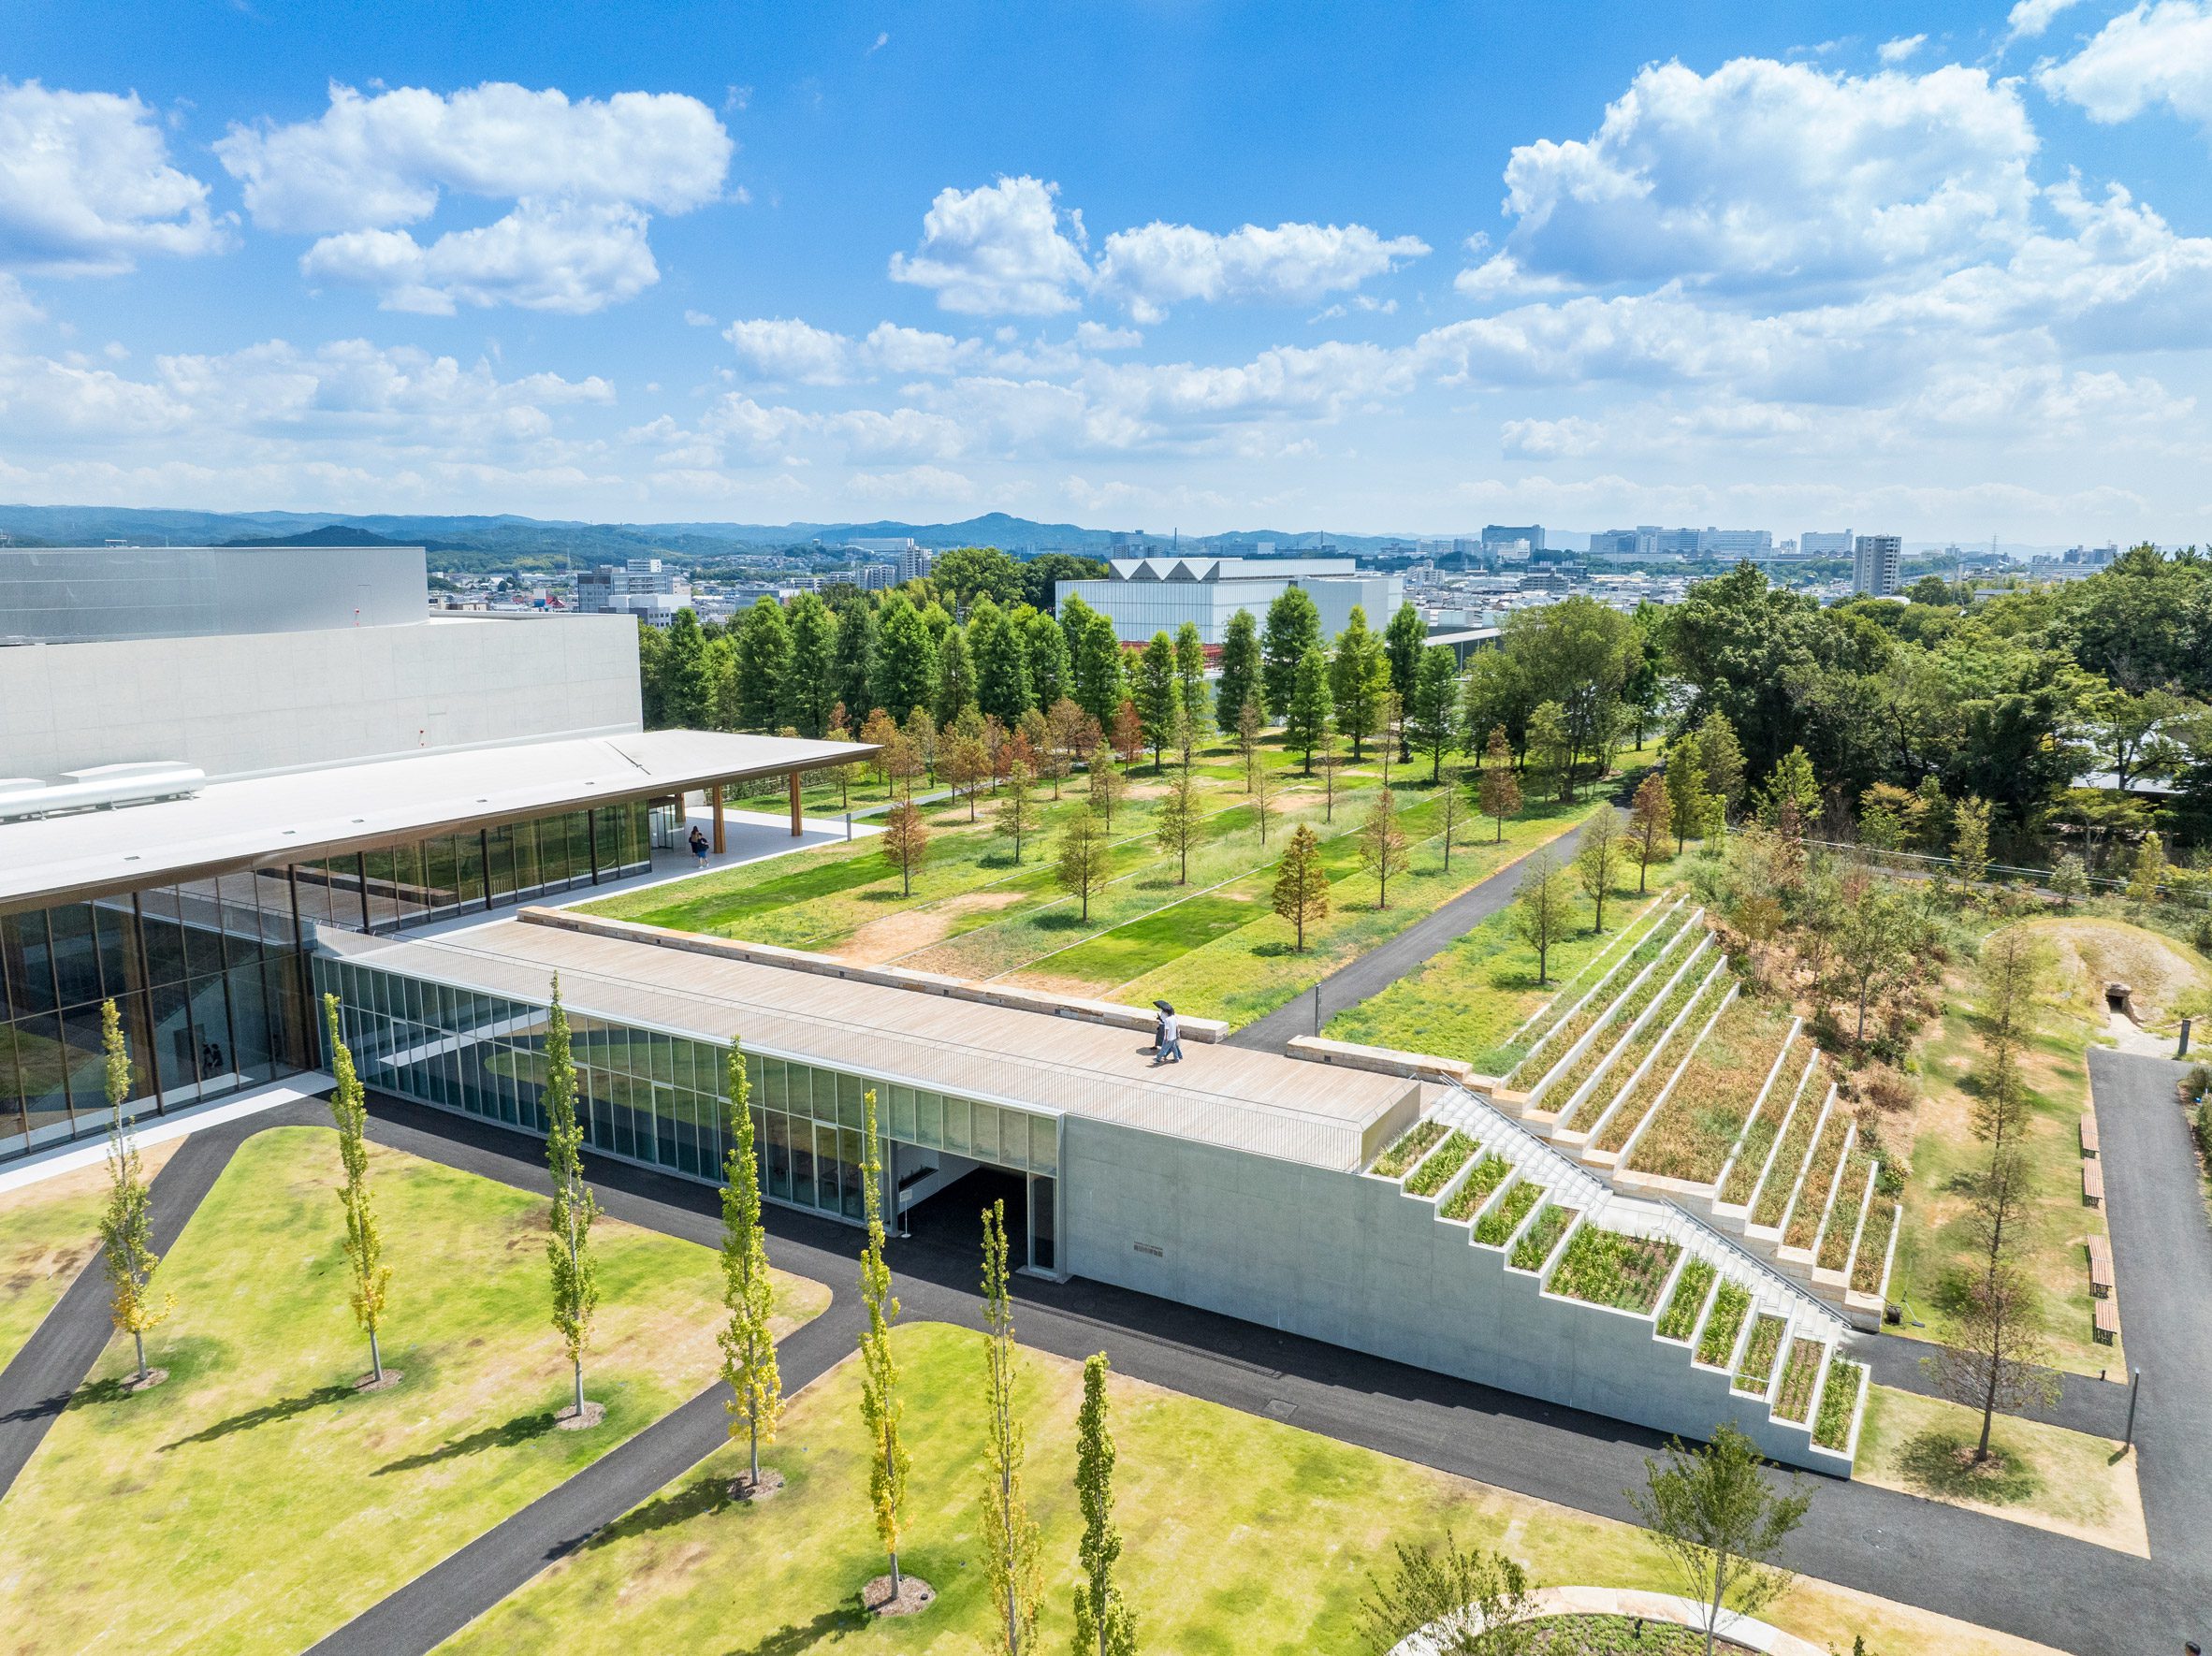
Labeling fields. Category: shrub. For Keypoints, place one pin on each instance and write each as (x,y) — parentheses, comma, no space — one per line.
(1475,1189)
(2203,1127)
(1430,1177)
(1759,1353)
(1794,1399)
(1606,1268)
(1498,1224)
(1728,1308)
(1537,1241)
(1393,1163)
(1839,1402)
(1680,1317)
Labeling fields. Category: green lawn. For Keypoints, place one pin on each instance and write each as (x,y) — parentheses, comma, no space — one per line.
(255,1500)
(1243,1536)
(47,1233)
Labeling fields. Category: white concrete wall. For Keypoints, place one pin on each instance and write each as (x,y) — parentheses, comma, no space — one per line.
(1349,1259)
(247,705)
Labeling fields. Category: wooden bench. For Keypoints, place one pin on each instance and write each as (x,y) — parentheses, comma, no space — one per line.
(2107,1316)
(2089,1136)
(2100,1268)
(2092,1184)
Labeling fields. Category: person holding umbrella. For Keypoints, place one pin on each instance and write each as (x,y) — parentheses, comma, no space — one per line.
(1167,1039)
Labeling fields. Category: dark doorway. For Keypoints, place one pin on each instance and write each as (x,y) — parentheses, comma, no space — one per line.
(954,1217)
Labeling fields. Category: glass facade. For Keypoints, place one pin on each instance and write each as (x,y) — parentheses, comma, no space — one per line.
(208,979)
(662,1099)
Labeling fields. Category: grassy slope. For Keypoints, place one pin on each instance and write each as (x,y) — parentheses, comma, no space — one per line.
(254,1501)
(2045,1476)
(1243,1536)
(47,1233)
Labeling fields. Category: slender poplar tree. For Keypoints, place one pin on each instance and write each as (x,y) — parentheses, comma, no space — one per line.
(880,1406)
(748,1346)
(568,1243)
(126,1224)
(364,1242)
(1010,1532)
(1103,1624)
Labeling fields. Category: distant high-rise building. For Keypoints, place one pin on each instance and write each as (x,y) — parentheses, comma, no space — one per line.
(1736,543)
(639,587)
(1502,535)
(1819,542)
(1874,564)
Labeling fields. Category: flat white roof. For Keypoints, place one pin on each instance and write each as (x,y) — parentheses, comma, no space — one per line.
(319,813)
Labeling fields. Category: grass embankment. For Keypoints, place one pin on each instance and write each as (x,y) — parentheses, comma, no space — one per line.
(1935,1250)
(255,1500)
(47,1234)
(1243,1536)
(1210,942)
(2044,1475)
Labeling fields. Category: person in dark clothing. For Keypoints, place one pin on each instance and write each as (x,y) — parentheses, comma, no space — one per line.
(1168,1036)
(699,845)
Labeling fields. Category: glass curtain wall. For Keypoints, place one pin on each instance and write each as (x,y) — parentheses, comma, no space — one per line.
(431,880)
(207,979)
(663,1100)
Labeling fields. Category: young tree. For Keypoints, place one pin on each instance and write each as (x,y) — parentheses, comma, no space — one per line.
(1383,851)
(1463,1603)
(1874,938)
(1301,883)
(920,731)
(2069,879)
(1970,841)
(126,1223)
(1720,1523)
(1178,822)
(1017,811)
(968,767)
(1085,857)
(906,843)
(955,676)
(1159,695)
(1010,1532)
(1068,736)
(1250,756)
(1293,628)
(1051,670)
(1263,780)
(903,764)
(1719,759)
(1543,908)
(1103,1623)
(1190,678)
(1331,759)
(1449,802)
(1598,858)
(1688,805)
(2147,877)
(749,1347)
(1238,685)
(364,1242)
(1358,677)
(1128,732)
(880,732)
(1647,826)
(1551,751)
(568,1245)
(882,1409)
(1095,660)
(1790,783)
(1309,708)
(1405,643)
(1106,785)
(1996,1358)
(1431,711)
(1500,789)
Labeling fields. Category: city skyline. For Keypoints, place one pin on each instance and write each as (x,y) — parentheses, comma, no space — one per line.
(1750,269)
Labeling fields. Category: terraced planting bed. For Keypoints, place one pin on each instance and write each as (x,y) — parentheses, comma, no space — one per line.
(1501,1221)
(1794,1400)
(1636,994)
(1873,1247)
(1798,1066)
(1433,1174)
(1607,1267)
(1819,1175)
(1680,1320)
(1537,1241)
(1842,1228)
(1789,1160)
(1839,1402)
(1411,1146)
(1698,1125)
(1718,1343)
(1683,990)
(1485,1177)
(1654,929)
(1632,1110)
(1759,1353)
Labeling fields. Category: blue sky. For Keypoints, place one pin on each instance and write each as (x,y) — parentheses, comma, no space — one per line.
(1940,270)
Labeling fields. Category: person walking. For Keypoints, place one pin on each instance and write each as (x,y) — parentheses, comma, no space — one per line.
(1169,1038)
(698,845)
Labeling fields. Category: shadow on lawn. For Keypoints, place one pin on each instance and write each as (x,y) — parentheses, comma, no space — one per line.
(1938,1463)
(521,1429)
(697,1499)
(797,1637)
(284,1408)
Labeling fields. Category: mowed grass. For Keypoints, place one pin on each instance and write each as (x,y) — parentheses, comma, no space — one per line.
(1243,1536)
(1467,1000)
(47,1235)
(1936,1255)
(255,1501)
(2044,1475)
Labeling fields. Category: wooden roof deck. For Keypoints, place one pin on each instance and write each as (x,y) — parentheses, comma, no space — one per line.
(1257,1101)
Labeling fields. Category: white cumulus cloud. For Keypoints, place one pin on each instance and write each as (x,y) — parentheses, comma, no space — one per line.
(86,185)
(1004,249)
(565,256)
(2029,19)
(1903,47)
(2154,54)
(1549,440)
(1156,265)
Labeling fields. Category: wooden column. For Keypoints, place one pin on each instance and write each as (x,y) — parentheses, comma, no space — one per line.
(798,823)
(714,797)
